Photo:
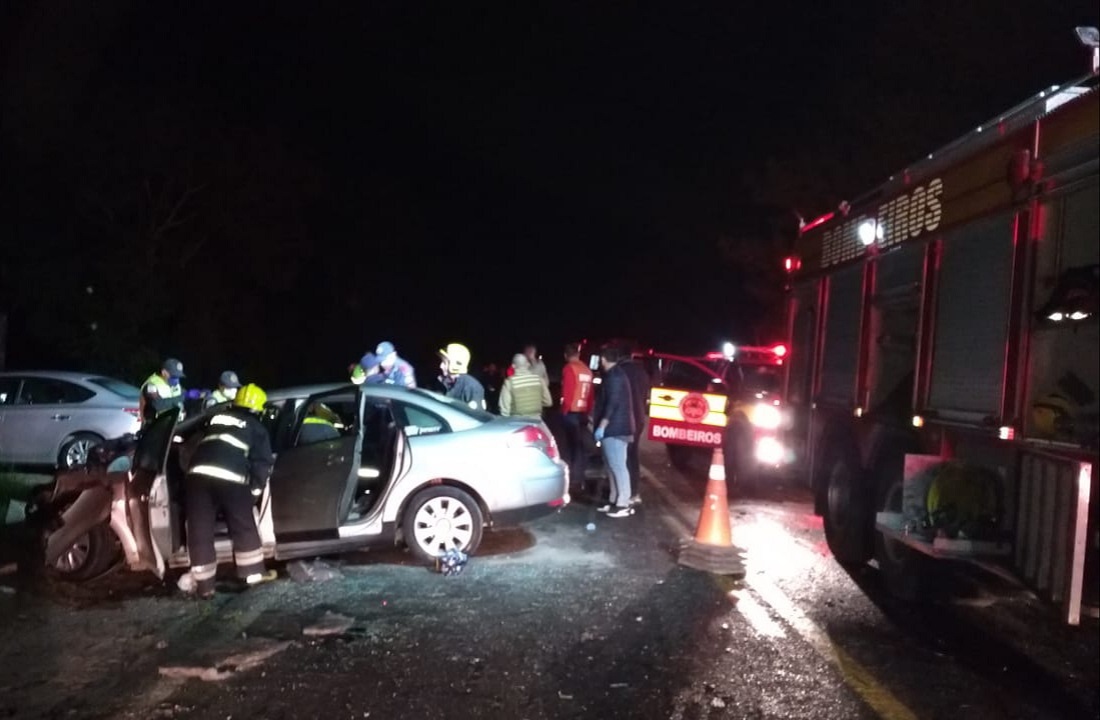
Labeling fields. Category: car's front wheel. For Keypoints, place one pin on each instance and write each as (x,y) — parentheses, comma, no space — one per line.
(77,449)
(439,519)
(90,555)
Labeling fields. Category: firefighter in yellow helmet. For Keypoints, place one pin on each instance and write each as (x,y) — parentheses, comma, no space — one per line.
(228,463)
(455,366)
(1052,417)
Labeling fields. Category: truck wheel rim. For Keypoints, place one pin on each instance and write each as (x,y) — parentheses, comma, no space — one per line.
(893,503)
(443,524)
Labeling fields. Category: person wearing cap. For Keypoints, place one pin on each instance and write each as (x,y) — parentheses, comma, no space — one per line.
(161,391)
(459,384)
(523,393)
(395,370)
(368,370)
(228,384)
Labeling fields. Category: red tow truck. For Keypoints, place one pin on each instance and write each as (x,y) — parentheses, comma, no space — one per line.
(944,377)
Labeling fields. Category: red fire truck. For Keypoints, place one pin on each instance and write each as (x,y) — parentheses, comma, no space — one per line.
(943,374)
(728,399)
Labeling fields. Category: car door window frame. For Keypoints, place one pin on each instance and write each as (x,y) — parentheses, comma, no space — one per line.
(10,398)
(401,413)
(64,388)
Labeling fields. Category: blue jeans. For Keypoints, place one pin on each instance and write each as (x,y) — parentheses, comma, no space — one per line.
(614,454)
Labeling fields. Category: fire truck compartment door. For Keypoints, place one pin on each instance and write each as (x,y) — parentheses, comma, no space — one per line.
(972,319)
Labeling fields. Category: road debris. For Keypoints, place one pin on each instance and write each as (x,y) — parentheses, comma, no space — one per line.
(226,668)
(329,624)
(312,571)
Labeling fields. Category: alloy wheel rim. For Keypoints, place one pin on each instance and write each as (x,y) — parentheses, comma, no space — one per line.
(443,524)
(76,556)
(77,454)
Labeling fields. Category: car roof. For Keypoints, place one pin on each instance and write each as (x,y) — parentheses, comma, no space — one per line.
(302,391)
(59,375)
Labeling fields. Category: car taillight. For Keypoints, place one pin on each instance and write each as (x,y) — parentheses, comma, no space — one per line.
(533,436)
(136,412)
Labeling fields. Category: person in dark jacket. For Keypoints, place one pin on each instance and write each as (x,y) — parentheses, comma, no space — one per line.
(228,463)
(614,423)
(395,369)
(639,404)
(459,384)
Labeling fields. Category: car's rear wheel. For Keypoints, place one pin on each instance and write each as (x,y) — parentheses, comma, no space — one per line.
(439,519)
(90,555)
(77,449)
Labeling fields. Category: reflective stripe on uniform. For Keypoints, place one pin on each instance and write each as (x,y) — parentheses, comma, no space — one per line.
(204,572)
(219,473)
(248,557)
(226,438)
(228,420)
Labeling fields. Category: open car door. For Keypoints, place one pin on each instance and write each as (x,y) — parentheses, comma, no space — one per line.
(146,475)
(315,475)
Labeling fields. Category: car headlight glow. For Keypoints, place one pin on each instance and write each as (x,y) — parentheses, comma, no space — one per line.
(769,451)
(765,416)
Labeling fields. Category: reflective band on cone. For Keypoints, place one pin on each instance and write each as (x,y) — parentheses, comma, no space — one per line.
(712,548)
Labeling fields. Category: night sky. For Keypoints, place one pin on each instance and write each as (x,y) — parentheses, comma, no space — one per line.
(277,187)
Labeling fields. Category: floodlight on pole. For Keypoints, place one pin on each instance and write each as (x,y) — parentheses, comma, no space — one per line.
(1090,38)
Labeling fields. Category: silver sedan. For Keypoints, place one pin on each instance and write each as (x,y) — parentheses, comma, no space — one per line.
(55,418)
(355,467)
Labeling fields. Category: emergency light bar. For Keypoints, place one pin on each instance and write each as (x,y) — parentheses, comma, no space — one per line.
(755,354)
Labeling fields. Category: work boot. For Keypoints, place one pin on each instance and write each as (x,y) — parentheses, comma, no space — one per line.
(202,590)
(260,577)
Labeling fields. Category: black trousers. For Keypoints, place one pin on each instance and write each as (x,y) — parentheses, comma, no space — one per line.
(205,496)
(576,451)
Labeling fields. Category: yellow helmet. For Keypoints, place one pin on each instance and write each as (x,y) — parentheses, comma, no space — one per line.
(1052,416)
(251,397)
(457,357)
(962,498)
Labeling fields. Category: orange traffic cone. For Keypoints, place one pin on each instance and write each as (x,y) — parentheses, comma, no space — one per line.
(712,548)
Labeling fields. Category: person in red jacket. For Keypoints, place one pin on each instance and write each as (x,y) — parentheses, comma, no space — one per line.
(576,404)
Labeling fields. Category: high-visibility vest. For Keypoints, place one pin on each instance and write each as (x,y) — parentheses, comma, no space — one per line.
(159,388)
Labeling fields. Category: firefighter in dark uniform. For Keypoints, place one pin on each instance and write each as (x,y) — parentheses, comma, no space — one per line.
(456,380)
(229,461)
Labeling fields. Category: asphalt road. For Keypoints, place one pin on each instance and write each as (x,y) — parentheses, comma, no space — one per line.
(553,621)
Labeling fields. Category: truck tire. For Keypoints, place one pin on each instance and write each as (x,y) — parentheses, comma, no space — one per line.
(680,457)
(906,573)
(848,519)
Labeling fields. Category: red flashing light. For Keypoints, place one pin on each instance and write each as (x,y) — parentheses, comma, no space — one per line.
(792,263)
(715,355)
(780,350)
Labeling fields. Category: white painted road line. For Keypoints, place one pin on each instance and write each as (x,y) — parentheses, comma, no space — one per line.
(857,677)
